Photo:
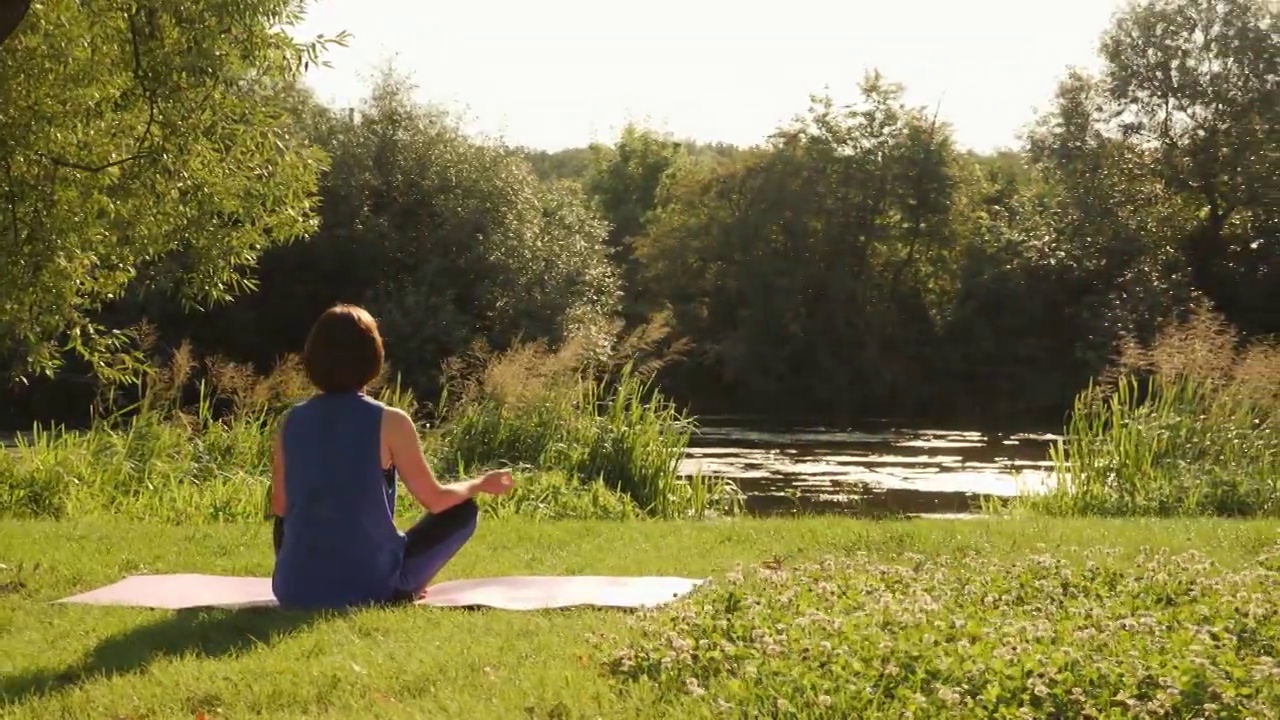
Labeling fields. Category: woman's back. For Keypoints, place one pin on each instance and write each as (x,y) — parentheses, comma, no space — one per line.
(341,546)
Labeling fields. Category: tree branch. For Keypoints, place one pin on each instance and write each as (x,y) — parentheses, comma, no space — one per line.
(142,83)
(70,164)
(147,93)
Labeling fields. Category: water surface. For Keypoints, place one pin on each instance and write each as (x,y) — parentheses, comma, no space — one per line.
(878,469)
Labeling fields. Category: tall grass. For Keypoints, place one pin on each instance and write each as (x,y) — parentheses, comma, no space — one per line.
(192,442)
(1187,426)
(568,411)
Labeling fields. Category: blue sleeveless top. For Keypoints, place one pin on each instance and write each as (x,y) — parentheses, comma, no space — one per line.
(341,547)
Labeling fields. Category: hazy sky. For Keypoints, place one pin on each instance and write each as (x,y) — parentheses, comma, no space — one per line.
(559,73)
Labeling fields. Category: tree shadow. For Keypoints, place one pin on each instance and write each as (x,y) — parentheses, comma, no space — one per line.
(204,632)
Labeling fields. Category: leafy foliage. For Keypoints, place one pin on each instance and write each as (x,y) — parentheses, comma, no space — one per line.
(809,268)
(857,263)
(148,144)
(448,241)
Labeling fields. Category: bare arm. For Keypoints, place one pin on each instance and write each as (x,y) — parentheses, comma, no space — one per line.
(277,476)
(401,438)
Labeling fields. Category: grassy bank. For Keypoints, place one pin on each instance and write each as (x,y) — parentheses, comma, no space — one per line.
(1022,618)
(1026,617)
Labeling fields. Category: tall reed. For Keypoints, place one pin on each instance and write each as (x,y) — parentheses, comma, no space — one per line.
(565,412)
(190,442)
(1187,426)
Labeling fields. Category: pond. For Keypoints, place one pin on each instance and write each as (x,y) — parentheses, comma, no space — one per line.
(874,469)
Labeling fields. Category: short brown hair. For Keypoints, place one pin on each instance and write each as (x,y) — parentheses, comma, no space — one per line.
(344,350)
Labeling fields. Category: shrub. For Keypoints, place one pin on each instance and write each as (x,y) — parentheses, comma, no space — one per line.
(1188,426)
(555,496)
(567,411)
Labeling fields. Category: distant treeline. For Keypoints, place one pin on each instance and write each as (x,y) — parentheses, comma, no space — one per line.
(856,263)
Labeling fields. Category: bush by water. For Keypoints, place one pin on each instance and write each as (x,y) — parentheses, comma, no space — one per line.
(1187,426)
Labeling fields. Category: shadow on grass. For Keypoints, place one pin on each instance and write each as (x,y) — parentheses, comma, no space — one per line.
(204,633)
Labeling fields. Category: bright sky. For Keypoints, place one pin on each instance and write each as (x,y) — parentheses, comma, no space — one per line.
(560,73)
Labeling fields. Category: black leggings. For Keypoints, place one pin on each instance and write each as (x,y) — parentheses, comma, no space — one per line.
(428,533)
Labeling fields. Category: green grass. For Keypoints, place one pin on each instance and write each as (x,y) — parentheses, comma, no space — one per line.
(613,430)
(1164,447)
(162,458)
(982,608)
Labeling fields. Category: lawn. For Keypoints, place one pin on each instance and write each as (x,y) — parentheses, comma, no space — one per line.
(1018,612)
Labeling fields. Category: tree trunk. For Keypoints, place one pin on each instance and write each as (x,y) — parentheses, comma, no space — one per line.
(1205,255)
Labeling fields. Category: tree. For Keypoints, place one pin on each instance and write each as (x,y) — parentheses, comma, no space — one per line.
(449,241)
(568,164)
(1196,83)
(624,181)
(455,240)
(144,143)
(813,271)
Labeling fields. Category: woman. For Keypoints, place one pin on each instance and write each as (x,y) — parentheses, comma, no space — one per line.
(333,483)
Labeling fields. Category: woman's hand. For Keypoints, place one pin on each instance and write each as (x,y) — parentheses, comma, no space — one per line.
(496,482)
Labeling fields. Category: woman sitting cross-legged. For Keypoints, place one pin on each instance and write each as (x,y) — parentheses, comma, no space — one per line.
(333,483)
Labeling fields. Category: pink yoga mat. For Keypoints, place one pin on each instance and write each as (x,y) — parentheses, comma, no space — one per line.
(177,592)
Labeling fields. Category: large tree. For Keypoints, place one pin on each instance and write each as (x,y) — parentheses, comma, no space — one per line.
(1189,97)
(813,271)
(448,240)
(142,143)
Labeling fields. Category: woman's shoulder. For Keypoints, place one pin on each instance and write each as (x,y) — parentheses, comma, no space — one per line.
(393,414)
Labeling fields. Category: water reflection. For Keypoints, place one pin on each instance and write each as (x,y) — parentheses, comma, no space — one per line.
(869,471)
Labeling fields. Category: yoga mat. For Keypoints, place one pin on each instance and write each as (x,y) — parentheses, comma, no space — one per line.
(185,591)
